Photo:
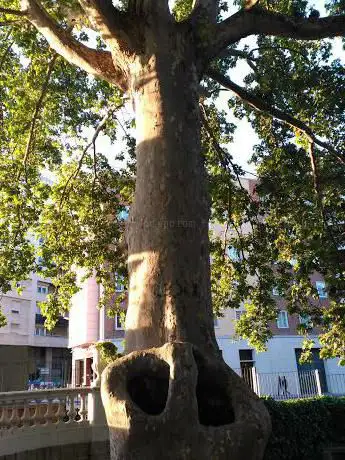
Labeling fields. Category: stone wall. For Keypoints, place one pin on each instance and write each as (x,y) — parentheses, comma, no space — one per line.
(84,451)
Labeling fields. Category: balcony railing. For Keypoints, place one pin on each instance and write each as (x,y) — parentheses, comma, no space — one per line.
(31,420)
(29,409)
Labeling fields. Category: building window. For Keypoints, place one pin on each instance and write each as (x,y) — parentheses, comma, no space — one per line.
(39,330)
(119,284)
(321,289)
(118,323)
(246,356)
(43,332)
(238,314)
(275,291)
(282,321)
(16,312)
(42,289)
(305,320)
(123,215)
(215,322)
(14,325)
(18,285)
(293,262)
(234,254)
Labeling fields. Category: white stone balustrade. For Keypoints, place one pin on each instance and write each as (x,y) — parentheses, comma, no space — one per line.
(34,419)
(32,408)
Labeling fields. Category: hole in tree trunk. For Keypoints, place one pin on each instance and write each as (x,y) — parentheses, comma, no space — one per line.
(212,394)
(148,384)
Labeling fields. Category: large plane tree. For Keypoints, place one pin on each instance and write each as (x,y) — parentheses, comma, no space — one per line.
(70,66)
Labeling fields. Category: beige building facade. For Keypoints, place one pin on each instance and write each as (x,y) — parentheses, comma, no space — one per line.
(29,354)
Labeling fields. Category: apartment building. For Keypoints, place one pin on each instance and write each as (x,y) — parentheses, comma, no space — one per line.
(29,354)
(88,325)
(281,360)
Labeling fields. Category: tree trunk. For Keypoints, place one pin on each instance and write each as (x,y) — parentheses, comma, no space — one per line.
(169,292)
(172,396)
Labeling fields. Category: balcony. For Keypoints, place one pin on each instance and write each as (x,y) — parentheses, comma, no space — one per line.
(62,322)
(58,337)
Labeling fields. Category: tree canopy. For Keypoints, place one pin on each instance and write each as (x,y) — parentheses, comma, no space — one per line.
(59,89)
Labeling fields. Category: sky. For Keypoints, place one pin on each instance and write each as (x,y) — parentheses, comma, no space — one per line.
(244,137)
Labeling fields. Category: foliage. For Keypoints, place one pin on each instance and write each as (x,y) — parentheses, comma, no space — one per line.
(182,9)
(294,219)
(3,320)
(108,351)
(303,428)
(75,217)
(291,227)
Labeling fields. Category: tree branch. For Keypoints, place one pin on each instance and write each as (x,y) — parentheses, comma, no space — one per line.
(318,196)
(10,22)
(280,47)
(315,171)
(7,50)
(95,173)
(223,156)
(259,104)
(257,20)
(237,53)
(112,24)
(96,63)
(92,142)
(38,107)
(227,52)
(13,12)
(226,162)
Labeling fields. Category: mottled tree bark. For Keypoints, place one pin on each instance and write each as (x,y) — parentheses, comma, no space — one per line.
(169,294)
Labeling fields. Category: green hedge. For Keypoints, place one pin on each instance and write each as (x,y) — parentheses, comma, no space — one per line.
(303,428)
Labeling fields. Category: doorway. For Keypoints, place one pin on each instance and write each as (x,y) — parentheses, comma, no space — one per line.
(306,373)
(247,364)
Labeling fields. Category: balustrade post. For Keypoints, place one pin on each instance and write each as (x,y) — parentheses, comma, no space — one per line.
(61,410)
(14,419)
(4,420)
(26,417)
(96,414)
(49,414)
(37,416)
(71,411)
(83,411)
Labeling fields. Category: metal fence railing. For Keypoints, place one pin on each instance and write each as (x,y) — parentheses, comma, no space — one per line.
(336,384)
(290,385)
